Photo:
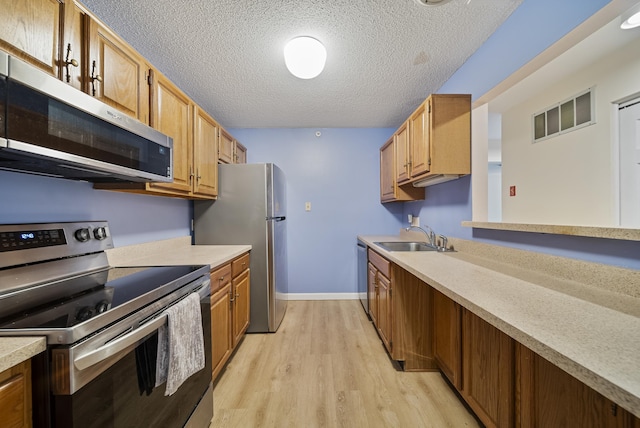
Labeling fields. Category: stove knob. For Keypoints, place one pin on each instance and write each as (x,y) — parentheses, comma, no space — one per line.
(83,235)
(84,314)
(102,306)
(100,233)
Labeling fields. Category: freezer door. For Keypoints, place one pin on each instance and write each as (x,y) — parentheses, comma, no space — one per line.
(279,281)
(276,192)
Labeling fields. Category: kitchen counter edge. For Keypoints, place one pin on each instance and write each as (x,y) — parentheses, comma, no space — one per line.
(574,334)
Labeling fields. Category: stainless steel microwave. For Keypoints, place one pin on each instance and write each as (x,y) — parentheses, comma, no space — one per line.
(50,128)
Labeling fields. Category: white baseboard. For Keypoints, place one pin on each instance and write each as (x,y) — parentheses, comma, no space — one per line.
(322,296)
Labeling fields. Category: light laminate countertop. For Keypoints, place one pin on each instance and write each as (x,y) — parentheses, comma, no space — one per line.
(14,350)
(589,339)
(177,251)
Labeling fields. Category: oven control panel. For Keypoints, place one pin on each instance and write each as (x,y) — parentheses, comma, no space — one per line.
(29,243)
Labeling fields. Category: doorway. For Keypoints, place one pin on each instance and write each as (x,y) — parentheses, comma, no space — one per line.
(629,131)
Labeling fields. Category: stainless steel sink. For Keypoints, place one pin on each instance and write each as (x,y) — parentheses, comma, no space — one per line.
(406,246)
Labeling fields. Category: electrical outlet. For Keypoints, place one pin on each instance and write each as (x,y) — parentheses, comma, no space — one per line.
(307,206)
(415,221)
(512,190)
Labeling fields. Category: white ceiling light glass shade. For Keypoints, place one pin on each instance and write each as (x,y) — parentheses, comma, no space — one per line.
(631,18)
(305,57)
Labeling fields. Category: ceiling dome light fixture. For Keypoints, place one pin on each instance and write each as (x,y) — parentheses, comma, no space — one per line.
(434,2)
(305,57)
(631,18)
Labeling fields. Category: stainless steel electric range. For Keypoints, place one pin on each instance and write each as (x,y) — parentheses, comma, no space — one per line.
(101,327)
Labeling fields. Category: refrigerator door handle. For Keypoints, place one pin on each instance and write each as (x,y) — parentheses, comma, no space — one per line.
(279,218)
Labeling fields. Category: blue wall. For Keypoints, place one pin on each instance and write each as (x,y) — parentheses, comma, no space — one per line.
(516,42)
(132,218)
(339,174)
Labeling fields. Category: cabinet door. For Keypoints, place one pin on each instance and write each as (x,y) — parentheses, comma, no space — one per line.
(446,337)
(74,61)
(385,315)
(31,29)
(402,159)
(15,396)
(241,308)
(171,116)
(488,371)
(117,74)
(372,288)
(205,154)
(550,397)
(387,173)
(221,342)
(419,140)
(241,153)
(225,147)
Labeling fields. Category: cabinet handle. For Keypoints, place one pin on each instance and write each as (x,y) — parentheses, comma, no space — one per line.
(198,176)
(221,278)
(231,299)
(68,62)
(94,77)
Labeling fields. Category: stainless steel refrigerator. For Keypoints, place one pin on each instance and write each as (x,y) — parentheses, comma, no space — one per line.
(251,209)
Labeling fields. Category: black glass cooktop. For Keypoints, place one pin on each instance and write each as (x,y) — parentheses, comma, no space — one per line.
(73,301)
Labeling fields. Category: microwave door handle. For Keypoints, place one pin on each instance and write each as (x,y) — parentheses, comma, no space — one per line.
(102,353)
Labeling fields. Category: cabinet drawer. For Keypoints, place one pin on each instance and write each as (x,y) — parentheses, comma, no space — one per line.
(239,265)
(382,264)
(220,277)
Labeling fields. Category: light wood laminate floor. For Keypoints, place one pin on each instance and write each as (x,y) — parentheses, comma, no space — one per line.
(326,367)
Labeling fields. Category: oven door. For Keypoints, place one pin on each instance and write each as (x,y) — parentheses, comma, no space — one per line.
(108,387)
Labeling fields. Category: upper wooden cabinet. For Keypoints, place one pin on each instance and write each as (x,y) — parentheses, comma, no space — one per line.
(205,154)
(240,153)
(31,30)
(229,150)
(171,113)
(66,41)
(435,140)
(389,189)
(117,74)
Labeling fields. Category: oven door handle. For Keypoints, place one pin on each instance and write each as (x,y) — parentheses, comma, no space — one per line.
(132,338)
(102,353)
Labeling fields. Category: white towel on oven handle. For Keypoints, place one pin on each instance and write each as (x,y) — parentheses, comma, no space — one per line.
(180,344)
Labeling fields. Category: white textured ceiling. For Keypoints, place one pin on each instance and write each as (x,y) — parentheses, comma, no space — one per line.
(384,57)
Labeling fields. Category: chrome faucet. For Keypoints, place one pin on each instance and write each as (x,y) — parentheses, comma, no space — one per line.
(432,237)
(431,234)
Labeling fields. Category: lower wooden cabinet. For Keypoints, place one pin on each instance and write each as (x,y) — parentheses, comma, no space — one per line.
(488,371)
(221,343)
(504,383)
(447,330)
(230,297)
(400,308)
(382,304)
(15,396)
(240,309)
(550,397)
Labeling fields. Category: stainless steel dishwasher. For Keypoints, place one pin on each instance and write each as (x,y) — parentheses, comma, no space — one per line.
(362,276)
